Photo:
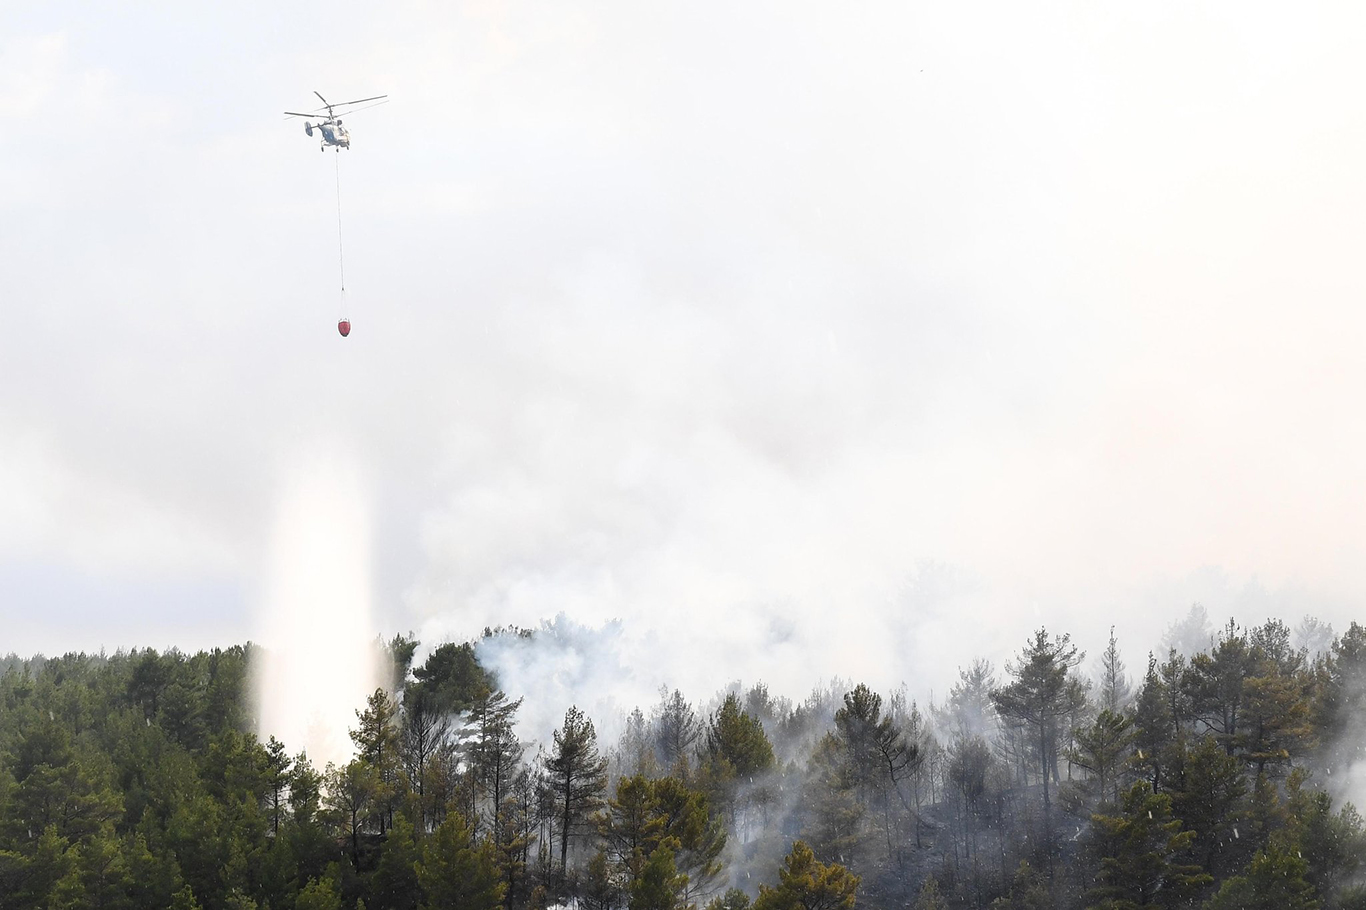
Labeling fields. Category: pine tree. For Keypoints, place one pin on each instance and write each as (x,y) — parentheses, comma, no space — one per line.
(319,894)
(1333,846)
(1275,880)
(1116,692)
(377,741)
(631,827)
(1215,685)
(1189,635)
(351,800)
(676,731)
(1211,801)
(805,883)
(1138,852)
(99,877)
(1103,749)
(831,813)
(1343,701)
(601,889)
(512,839)
(1040,698)
(1028,891)
(1275,724)
(1154,731)
(930,897)
(184,900)
(424,732)
(733,899)
(645,813)
(577,777)
(659,886)
(452,678)
(969,764)
(453,872)
(635,751)
(1313,636)
(495,753)
(738,740)
(394,884)
(736,754)
(701,838)
(969,709)
(277,768)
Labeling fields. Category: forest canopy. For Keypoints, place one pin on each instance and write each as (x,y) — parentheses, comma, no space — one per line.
(136,780)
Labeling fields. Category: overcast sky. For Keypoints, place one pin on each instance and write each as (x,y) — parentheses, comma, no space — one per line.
(803,338)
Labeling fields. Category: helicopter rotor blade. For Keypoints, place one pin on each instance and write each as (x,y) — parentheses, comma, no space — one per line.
(357,110)
(296,114)
(319,94)
(360,101)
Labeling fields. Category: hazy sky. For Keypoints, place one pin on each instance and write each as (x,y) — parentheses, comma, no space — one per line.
(804,338)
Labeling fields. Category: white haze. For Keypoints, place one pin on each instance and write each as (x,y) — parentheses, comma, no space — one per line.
(803,340)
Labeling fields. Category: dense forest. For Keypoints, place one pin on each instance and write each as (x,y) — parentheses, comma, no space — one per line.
(135,780)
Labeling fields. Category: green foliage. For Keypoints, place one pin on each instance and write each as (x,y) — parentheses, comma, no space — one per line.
(732,899)
(831,814)
(376,738)
(929,897)
(644,814)
(676,732)
(1043,694)
(184,900)
(1343,699)
(805,883)
(454,872)
(1275,724)
(660,885)
(631,826)
(698,833)
(736,756)
(1275,880)
(736,740)
(98,876)
(495,753)
(577,777)
(601,888)
(1215,685)
(1139,851)
(395,883)
(1212,800)
(453,678)
(1332,845)
(1103,749)
(400,650)
(131,781)
(319,894)
(1028,891)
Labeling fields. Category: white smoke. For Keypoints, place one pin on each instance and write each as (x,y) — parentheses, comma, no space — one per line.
(565,664)
(318,660)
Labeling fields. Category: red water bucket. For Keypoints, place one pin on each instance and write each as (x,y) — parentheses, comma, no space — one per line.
(344,327)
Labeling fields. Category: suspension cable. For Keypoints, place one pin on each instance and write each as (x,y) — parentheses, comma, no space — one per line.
(341,260)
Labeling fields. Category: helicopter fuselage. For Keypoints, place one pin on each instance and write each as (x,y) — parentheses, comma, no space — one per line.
(333,133)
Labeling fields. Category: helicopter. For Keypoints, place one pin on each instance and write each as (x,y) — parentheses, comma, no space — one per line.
(333,133)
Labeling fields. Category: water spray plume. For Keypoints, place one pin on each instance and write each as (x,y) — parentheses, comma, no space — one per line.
(319,661)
